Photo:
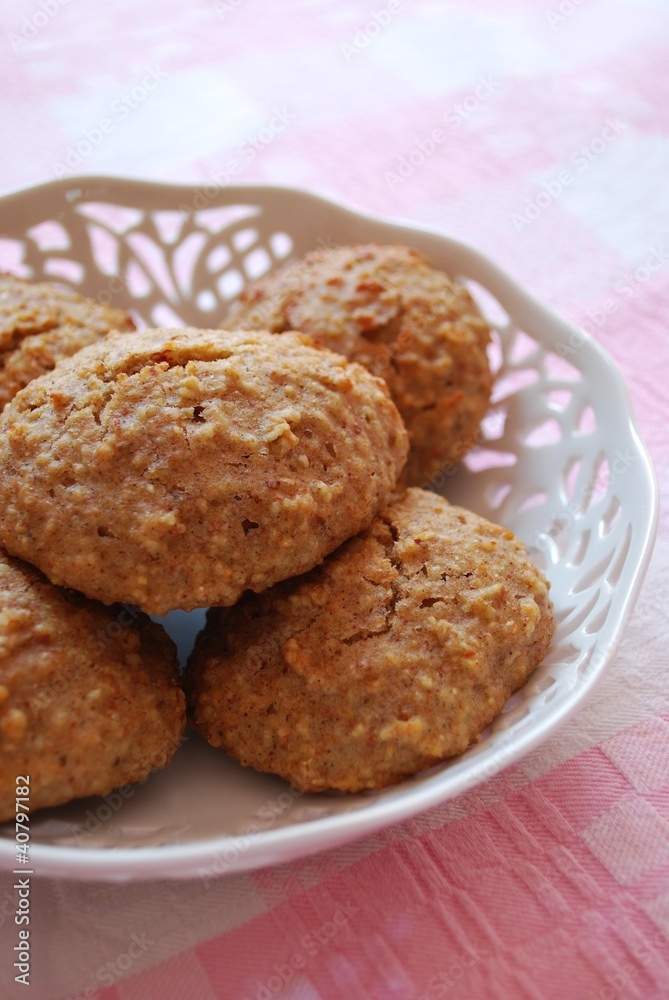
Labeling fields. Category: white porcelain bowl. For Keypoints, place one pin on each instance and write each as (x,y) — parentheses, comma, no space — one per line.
(561,464)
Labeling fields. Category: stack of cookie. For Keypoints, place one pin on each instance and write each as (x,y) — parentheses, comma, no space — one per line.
(90,696)
(360,630)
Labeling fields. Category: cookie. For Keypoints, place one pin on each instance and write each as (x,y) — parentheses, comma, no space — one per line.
(177,468)
(387,308)
(89,696)
(42,323)
(391,656)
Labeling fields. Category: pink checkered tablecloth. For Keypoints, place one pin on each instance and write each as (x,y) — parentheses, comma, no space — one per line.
(542,126)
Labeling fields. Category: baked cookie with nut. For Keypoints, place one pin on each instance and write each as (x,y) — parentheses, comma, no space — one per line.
(389,309)
(391,656)
(42,323)
(179,468)
(89,696)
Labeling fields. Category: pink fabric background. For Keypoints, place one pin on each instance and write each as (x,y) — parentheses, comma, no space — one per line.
(552,880)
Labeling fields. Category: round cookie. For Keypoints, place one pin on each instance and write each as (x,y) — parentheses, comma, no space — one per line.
(89,696)
(40,324)
(392,655)
(177,468)
(387,308)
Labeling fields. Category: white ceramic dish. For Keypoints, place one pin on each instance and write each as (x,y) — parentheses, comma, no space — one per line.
(561,464)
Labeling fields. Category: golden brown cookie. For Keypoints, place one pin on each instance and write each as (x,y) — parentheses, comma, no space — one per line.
(387,308)
(42,323)
(178,468)
(89,696)
(392,655)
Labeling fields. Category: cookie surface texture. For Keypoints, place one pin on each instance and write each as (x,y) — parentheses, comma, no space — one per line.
(394,654)
(89,696)
(177,468)
(40,324)
(387,308)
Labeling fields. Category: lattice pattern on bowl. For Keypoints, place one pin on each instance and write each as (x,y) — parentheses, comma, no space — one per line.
(559,460)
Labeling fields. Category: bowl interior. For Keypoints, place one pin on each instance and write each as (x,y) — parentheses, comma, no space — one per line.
(558,461)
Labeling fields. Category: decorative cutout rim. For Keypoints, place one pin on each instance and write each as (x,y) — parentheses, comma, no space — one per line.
(560,462)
